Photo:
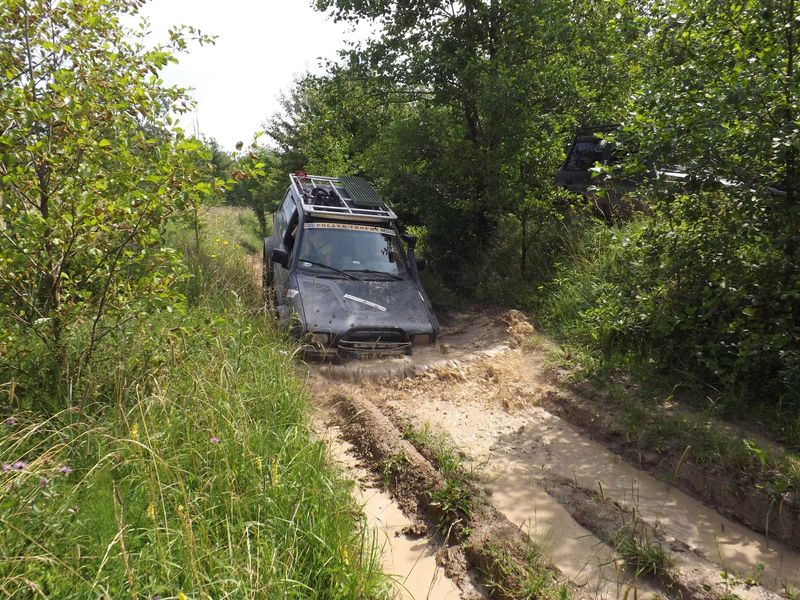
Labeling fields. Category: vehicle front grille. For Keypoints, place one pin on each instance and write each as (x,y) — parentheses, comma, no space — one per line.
(367,341)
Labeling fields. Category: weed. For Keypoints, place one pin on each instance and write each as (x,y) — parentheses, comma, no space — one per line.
(635,545)
(455,498)
(534,579)
(392,466)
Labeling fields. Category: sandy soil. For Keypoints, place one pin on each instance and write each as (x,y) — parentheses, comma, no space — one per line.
(481,387)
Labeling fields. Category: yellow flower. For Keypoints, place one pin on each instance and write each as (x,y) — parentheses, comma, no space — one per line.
(258,462)
(151,512)
(213,256)
(345,556)
(275,472)
(135,431)
(182,596)
(225,243)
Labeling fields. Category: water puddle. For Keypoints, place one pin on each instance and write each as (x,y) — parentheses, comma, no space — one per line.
(410,563)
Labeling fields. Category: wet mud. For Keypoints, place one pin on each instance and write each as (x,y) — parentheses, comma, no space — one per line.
(486,388)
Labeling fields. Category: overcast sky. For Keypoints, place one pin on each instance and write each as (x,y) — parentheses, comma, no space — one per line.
(261,47)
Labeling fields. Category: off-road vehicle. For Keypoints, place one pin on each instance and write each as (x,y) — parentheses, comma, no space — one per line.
(339,274)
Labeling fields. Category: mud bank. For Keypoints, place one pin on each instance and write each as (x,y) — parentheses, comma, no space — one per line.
(408,555)
(744,499)
(483,541)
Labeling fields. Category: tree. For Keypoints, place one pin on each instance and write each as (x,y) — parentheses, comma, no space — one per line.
(719,285)
(91,169)
(505,81)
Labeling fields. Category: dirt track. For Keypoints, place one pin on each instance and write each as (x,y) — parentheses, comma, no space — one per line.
(485,387)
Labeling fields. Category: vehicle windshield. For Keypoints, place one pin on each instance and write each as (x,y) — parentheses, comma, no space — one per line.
(374,251)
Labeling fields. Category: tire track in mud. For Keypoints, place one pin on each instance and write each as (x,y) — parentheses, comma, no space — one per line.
(408,555)
(483,392)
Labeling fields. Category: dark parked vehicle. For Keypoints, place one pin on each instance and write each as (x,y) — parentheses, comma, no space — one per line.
(339,274)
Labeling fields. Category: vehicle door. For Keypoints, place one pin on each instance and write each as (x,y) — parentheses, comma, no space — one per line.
(285,231)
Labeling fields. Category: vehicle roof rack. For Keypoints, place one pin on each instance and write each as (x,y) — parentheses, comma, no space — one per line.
(345,198)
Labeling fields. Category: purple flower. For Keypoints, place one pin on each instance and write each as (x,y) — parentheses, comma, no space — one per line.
(65,470)
(214,440)
(19,465)
(43,481)
(10,422)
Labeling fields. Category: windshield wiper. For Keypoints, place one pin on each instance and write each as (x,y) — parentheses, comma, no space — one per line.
(324,266)
(373,272)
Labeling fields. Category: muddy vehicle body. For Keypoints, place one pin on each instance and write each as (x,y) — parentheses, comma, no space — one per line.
(340,276)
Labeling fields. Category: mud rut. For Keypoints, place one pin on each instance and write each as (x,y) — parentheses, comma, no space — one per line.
(485,390)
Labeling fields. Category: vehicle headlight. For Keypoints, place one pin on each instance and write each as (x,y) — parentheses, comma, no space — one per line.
(421,339)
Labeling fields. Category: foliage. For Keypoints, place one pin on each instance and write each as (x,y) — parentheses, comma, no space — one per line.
(458,112)
(208,486)
(259,182)
(709,281)
(90,172)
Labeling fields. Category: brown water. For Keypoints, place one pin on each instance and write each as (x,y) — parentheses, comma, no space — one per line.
(514,449)
(410,563)
(481,391)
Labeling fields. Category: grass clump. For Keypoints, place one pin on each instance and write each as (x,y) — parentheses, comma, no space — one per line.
(635,545)
(206,484)
(455,498)
(531,579)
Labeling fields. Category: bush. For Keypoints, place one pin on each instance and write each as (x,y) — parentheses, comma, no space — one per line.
(698,286)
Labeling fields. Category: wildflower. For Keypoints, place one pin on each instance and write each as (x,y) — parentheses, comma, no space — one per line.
(258,462)
(225,243)
(135,431)
(19,465)
(213,256)
(43,481)
(65,470)
(182,596)
(345,556)
(151,512)
(275,472)
(10,422)
(214,440)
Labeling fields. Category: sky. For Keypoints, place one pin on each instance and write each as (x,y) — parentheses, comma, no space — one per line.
(261,47)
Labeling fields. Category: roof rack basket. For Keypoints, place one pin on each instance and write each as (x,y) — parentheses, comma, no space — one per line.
(345,198)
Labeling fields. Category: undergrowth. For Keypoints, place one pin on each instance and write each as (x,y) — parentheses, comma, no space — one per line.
(203,483)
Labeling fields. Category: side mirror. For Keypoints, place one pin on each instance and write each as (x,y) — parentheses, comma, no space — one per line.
(280,257)
(421,264)
(410,240)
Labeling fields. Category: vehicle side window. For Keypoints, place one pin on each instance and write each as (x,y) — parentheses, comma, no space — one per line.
(281,218)
(291,231)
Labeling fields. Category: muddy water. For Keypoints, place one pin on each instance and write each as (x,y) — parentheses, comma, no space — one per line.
(517,447)
(514,490)
(482,391)
(410,563)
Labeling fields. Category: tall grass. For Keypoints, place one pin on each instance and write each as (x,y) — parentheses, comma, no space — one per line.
(206,485)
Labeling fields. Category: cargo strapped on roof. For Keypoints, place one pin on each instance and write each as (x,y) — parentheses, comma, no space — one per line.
(346,198)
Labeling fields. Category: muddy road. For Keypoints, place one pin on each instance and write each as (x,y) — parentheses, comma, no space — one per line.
(486,388)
